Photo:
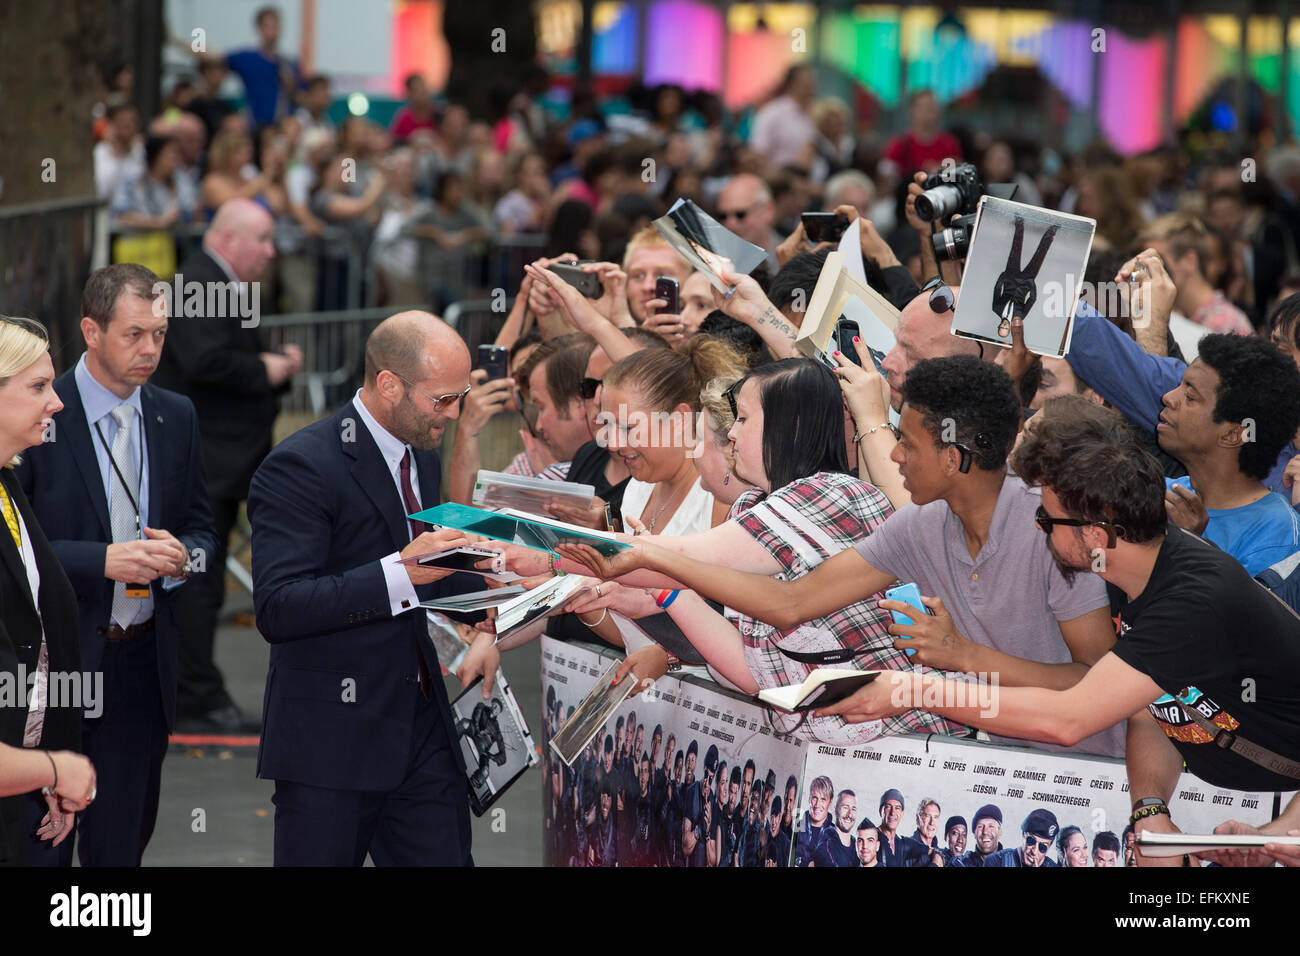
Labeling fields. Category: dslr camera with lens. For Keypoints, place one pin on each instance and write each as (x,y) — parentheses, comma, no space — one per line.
(956,190)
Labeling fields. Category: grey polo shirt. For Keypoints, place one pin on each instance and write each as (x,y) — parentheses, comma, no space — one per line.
(1009,597)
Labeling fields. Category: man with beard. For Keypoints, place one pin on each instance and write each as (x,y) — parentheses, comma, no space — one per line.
(778,841)
(814,820)
(1005,606)
(868,844)
(896,849)
(329,510)
(1039,830)
(954,832)
(837,846)
(988,831)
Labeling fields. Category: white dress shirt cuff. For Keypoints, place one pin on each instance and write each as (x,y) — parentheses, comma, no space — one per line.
(401,592)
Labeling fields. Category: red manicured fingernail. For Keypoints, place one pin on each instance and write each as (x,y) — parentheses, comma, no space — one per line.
(856,339)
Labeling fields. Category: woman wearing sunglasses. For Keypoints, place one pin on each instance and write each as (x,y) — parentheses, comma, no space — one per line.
(804,507)
(38,631)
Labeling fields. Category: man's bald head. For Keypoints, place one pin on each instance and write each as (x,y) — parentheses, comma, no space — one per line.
(241,234)
(922,333)
(412,360)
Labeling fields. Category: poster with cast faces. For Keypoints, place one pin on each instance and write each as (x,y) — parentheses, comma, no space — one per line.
(1076,808)
(713,787)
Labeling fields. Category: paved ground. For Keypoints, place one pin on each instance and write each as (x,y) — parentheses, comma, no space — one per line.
(236,820)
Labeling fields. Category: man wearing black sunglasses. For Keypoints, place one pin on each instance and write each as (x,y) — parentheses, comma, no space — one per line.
(745,207)
(1039,831)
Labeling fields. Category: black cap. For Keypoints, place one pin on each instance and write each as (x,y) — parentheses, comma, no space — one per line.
(952,822)
(711,759)
(694,748)
(1041,823)
(987,812)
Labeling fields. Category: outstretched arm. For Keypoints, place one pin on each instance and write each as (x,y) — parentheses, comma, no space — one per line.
(835,583)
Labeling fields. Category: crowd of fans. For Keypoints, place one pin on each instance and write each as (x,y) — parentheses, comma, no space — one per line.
(763,540)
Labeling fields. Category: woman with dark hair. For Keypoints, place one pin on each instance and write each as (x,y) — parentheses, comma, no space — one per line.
(805,507)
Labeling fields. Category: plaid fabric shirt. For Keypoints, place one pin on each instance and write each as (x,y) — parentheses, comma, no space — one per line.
(801,525)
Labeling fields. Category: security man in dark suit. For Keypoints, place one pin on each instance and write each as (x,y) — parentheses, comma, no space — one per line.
(357,731)
(120,493)
(215,357)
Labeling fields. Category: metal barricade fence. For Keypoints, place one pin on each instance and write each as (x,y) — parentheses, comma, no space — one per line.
(46,253)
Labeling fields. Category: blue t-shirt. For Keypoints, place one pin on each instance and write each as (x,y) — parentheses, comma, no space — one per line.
(1259,534)
(261,78)
(1133,381)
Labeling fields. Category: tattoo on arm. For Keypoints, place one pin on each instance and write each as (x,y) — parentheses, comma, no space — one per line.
(769,316)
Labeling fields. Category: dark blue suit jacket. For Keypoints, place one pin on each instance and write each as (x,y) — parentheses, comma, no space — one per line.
(62,480)
(340,693)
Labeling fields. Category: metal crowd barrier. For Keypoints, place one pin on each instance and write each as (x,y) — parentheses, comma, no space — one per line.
(47,252)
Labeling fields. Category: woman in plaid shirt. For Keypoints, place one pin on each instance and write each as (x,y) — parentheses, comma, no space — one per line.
(789,443)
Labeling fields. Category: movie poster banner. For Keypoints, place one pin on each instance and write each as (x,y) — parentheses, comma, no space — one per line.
(680,775)
(976,804)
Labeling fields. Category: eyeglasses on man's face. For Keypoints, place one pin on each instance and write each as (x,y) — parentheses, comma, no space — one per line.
(440,402)
(1032,842)
(737,214)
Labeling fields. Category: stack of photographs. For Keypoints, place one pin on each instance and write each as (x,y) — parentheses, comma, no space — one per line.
(708,245)
(495,489)
(494,740)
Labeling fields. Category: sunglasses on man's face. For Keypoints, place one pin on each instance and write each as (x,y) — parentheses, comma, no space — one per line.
(941,297)
(1046,522)
(588,387)
(1031,841)
(737,214)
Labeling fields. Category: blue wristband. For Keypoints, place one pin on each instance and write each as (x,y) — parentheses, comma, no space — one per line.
(670,599)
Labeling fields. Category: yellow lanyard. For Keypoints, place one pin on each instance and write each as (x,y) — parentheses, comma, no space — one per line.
(11,517)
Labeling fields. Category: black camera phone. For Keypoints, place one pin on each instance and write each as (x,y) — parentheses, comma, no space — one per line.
(495,360)
(824,226)
(588,283)
(666,288)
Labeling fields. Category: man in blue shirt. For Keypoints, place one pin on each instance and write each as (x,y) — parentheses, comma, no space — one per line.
(271,81)
(1134,382)
(1238,404)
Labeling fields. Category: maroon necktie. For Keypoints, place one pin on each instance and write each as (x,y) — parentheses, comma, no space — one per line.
(412,506)
(408,494)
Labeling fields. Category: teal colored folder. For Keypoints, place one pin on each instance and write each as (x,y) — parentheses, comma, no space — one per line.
(530,533)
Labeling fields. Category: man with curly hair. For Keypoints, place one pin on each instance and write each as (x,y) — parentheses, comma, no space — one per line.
(1236,407)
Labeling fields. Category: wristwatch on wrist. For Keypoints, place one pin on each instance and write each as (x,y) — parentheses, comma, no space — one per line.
(187,570)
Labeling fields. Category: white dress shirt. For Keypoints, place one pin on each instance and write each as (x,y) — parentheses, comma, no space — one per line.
(401,592)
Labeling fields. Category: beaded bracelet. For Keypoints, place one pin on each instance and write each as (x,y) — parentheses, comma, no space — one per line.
(1151,811)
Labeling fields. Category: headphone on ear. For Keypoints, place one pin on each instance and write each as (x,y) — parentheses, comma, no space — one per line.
(966,457)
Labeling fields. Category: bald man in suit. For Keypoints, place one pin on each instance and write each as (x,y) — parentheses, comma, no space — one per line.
(357,731)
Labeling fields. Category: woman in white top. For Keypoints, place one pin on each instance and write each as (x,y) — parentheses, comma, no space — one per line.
(649,407)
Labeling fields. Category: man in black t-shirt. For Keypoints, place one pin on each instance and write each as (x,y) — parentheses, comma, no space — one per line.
(1206,662)
(778,840)
(838,846)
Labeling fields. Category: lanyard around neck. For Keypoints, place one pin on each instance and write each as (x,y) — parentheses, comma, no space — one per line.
(122,478)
